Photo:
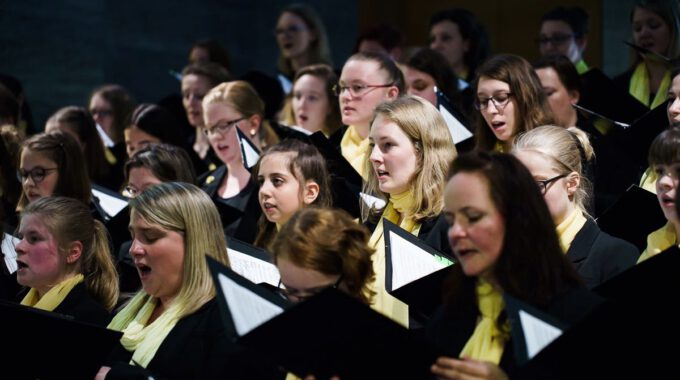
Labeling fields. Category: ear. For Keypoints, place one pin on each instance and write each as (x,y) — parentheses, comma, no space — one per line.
(392,93)
(573,183)
(575,96)
(254,123)
(582,43)
(75,249)
(310,192)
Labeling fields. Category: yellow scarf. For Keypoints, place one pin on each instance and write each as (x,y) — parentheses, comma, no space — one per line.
(581,66)
(658,241)
(499,147)
(383,301)
(639,86)
(569,227)
(487,341)
(648,180)
(355,150)
(138,337)
(54,296)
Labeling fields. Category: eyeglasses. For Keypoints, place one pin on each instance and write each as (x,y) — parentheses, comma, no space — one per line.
(299,296)
(132,191)
(543,184)
(555,40)
(37,174)
(500,101)
(222,128)
(189,96)
(293,29)
(101,112)
(357,90)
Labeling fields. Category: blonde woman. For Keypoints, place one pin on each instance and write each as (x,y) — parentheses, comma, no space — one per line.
(172,327)
(410,151)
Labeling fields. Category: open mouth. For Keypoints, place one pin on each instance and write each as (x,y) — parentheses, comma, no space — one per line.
(497,124)
(302,119)
(21,265)
(463,252)
(144,270)
(268,207)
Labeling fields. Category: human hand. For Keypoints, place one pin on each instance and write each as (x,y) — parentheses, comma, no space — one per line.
(103,371)
(466,369)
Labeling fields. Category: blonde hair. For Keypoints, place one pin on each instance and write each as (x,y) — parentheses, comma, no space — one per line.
(185,208)
(243,98)
(427,130)
(70,220)
(566,150)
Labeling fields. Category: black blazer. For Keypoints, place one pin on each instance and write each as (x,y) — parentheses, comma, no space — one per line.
(198,347)
(239,218)
(598,256)
(450,332)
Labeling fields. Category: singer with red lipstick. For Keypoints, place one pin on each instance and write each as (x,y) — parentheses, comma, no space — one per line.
(664,159)
(410,150)
(510,100)
(504,240)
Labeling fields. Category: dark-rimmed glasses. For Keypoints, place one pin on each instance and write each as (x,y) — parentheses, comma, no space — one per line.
(500,101)
(37,174)
(357,90)
(543,184)
(298,296)
(223,127)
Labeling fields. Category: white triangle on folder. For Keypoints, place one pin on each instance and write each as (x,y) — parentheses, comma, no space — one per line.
(8,244)
(111,205)
(456,128)
(249,152)
(372,201)
(410,262)
(537,333)
(252,268)
(248,310)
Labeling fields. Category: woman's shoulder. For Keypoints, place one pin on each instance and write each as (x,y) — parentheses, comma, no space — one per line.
(83,307)
(210,181)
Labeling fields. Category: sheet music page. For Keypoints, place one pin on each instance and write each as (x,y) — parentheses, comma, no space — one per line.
(110,204)
(252,268)
(248,310)
(409,262)
(250,154)
(458,131)
(8,243)
(537,333)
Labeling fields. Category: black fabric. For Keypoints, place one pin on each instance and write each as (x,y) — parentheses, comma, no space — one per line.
(198,347)
(598,256)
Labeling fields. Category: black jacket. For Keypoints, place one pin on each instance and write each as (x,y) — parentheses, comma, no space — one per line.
(598,256)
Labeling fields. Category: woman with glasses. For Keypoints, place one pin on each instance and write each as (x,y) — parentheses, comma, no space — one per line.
(172,327)
(510,100)
(301,37)
(410,150)
(52,164)
(320,248)
(227,107)
(564,31)
(64,261)
(197,80)
(503,238)
(555,157)
(656,30)
(367,79)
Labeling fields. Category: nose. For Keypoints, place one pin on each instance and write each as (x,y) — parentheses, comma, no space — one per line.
(20,247)
(674,108)
(136,248)
(454,233)
(376,155)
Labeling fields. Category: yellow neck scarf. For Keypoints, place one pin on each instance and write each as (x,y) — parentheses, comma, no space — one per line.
(499,147)
(639,86)
(138,337)
(581,66)
(54,296)
(658,241)
(355,150)
(487,341)
(398,205)
(569,227)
